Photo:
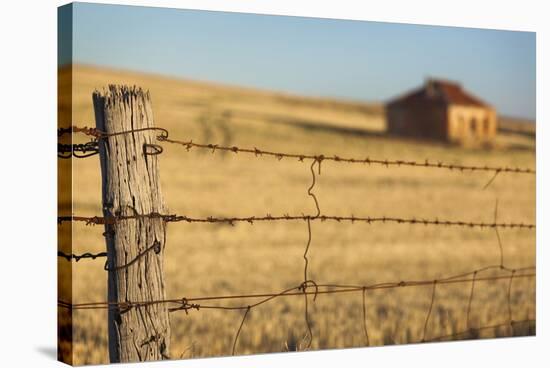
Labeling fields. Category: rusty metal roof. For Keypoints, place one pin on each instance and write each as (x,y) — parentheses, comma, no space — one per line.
(440,91)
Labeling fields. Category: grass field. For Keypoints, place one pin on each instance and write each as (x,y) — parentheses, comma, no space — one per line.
(208,259)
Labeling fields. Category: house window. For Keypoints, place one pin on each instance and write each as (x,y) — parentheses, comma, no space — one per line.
(473,126)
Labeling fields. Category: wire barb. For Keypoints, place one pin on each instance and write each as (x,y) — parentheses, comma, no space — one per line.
(185,306)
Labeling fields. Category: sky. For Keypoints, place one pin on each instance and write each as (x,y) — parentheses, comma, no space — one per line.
(359,60)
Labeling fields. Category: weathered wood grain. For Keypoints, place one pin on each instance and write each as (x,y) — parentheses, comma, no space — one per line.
(130,185)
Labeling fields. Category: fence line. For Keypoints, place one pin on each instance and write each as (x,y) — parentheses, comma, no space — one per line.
(98,220)
(163,137)
(307,287)
(319,158)
(184,302)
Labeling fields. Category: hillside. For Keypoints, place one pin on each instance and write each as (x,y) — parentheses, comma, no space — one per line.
(186,99)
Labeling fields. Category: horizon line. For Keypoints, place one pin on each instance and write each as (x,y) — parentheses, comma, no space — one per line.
(249,88)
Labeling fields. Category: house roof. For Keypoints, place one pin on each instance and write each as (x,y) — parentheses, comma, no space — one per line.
(440,91)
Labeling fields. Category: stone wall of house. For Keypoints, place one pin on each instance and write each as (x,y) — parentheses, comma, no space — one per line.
(471,124)
(419,120)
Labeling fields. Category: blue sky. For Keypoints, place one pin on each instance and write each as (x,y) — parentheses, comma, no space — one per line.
(360,60)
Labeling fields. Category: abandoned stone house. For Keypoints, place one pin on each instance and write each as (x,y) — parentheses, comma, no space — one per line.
(442,110)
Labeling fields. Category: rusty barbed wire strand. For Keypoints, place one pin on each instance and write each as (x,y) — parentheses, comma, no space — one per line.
(370,161)
(94,132)
(97,220)
(75,129)
(78,257)
(163,137)
(84,150)
(185,306)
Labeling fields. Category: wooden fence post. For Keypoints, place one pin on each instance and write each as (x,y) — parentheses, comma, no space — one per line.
(135,247)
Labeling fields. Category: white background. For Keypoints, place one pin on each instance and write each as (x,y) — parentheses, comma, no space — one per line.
(28,207)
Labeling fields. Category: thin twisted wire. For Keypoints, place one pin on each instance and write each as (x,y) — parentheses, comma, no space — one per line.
(297,290)
(78,257)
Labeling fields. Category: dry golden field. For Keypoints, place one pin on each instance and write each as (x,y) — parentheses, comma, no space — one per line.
(209,259)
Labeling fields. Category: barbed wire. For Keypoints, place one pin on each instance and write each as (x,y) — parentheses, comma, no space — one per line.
(369,161)
(75,129)
(81,150)
(163,137)
(78,257)
(304,288)
(84,150)
(98,220)
(98,134)
(195,303)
